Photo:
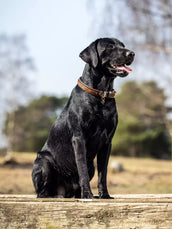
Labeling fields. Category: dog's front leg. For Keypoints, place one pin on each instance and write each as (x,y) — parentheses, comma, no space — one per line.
(81,162)
(102,163)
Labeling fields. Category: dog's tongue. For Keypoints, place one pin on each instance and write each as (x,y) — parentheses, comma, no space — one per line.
(124,68)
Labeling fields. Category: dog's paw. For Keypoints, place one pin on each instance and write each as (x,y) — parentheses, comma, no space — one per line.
(105,196)
(87,195)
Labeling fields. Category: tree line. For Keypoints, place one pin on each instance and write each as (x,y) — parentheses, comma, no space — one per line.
(143,128)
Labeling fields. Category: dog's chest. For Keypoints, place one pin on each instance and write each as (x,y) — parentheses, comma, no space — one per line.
(100,125)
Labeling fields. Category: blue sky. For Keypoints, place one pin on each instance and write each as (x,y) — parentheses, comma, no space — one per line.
(56,32)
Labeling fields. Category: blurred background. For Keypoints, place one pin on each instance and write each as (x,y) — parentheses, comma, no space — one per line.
(40,42)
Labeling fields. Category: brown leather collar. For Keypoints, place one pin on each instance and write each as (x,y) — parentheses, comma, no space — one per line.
(102,94)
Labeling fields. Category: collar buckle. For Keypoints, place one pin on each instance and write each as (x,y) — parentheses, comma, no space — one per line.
(103,96)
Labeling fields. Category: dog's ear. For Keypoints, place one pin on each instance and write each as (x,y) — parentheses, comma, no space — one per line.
(90,55)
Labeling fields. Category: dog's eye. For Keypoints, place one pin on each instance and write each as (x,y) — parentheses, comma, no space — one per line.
(111,46)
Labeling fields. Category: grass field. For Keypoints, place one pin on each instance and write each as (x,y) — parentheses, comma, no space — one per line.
(139,176)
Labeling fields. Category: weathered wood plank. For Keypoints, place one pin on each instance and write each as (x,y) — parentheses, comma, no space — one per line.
(125,211)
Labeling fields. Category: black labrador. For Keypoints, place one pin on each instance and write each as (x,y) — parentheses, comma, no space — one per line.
(64,166)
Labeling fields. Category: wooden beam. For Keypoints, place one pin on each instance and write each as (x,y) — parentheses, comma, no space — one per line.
(124,211)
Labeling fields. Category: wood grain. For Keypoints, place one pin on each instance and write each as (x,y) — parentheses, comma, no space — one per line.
(124,211)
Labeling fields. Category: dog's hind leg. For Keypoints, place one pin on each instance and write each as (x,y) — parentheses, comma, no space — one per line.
(45,176)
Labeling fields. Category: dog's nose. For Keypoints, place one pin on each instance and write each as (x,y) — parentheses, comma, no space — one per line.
(130,54)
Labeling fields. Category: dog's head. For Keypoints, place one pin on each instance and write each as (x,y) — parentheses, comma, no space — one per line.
(109,55)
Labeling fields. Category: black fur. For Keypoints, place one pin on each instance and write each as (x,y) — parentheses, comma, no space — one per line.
(64,166)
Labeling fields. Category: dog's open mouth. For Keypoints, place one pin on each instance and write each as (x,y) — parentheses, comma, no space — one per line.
(121,68)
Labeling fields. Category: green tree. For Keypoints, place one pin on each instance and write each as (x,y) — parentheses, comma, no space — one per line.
(143,124)
(32,122)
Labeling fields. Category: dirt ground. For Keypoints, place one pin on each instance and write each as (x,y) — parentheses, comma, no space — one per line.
(139,176)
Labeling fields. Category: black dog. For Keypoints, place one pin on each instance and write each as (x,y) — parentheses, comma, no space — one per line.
(64,166)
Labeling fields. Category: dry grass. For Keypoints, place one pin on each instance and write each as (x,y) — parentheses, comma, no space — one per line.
(16,179)
(139,176)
